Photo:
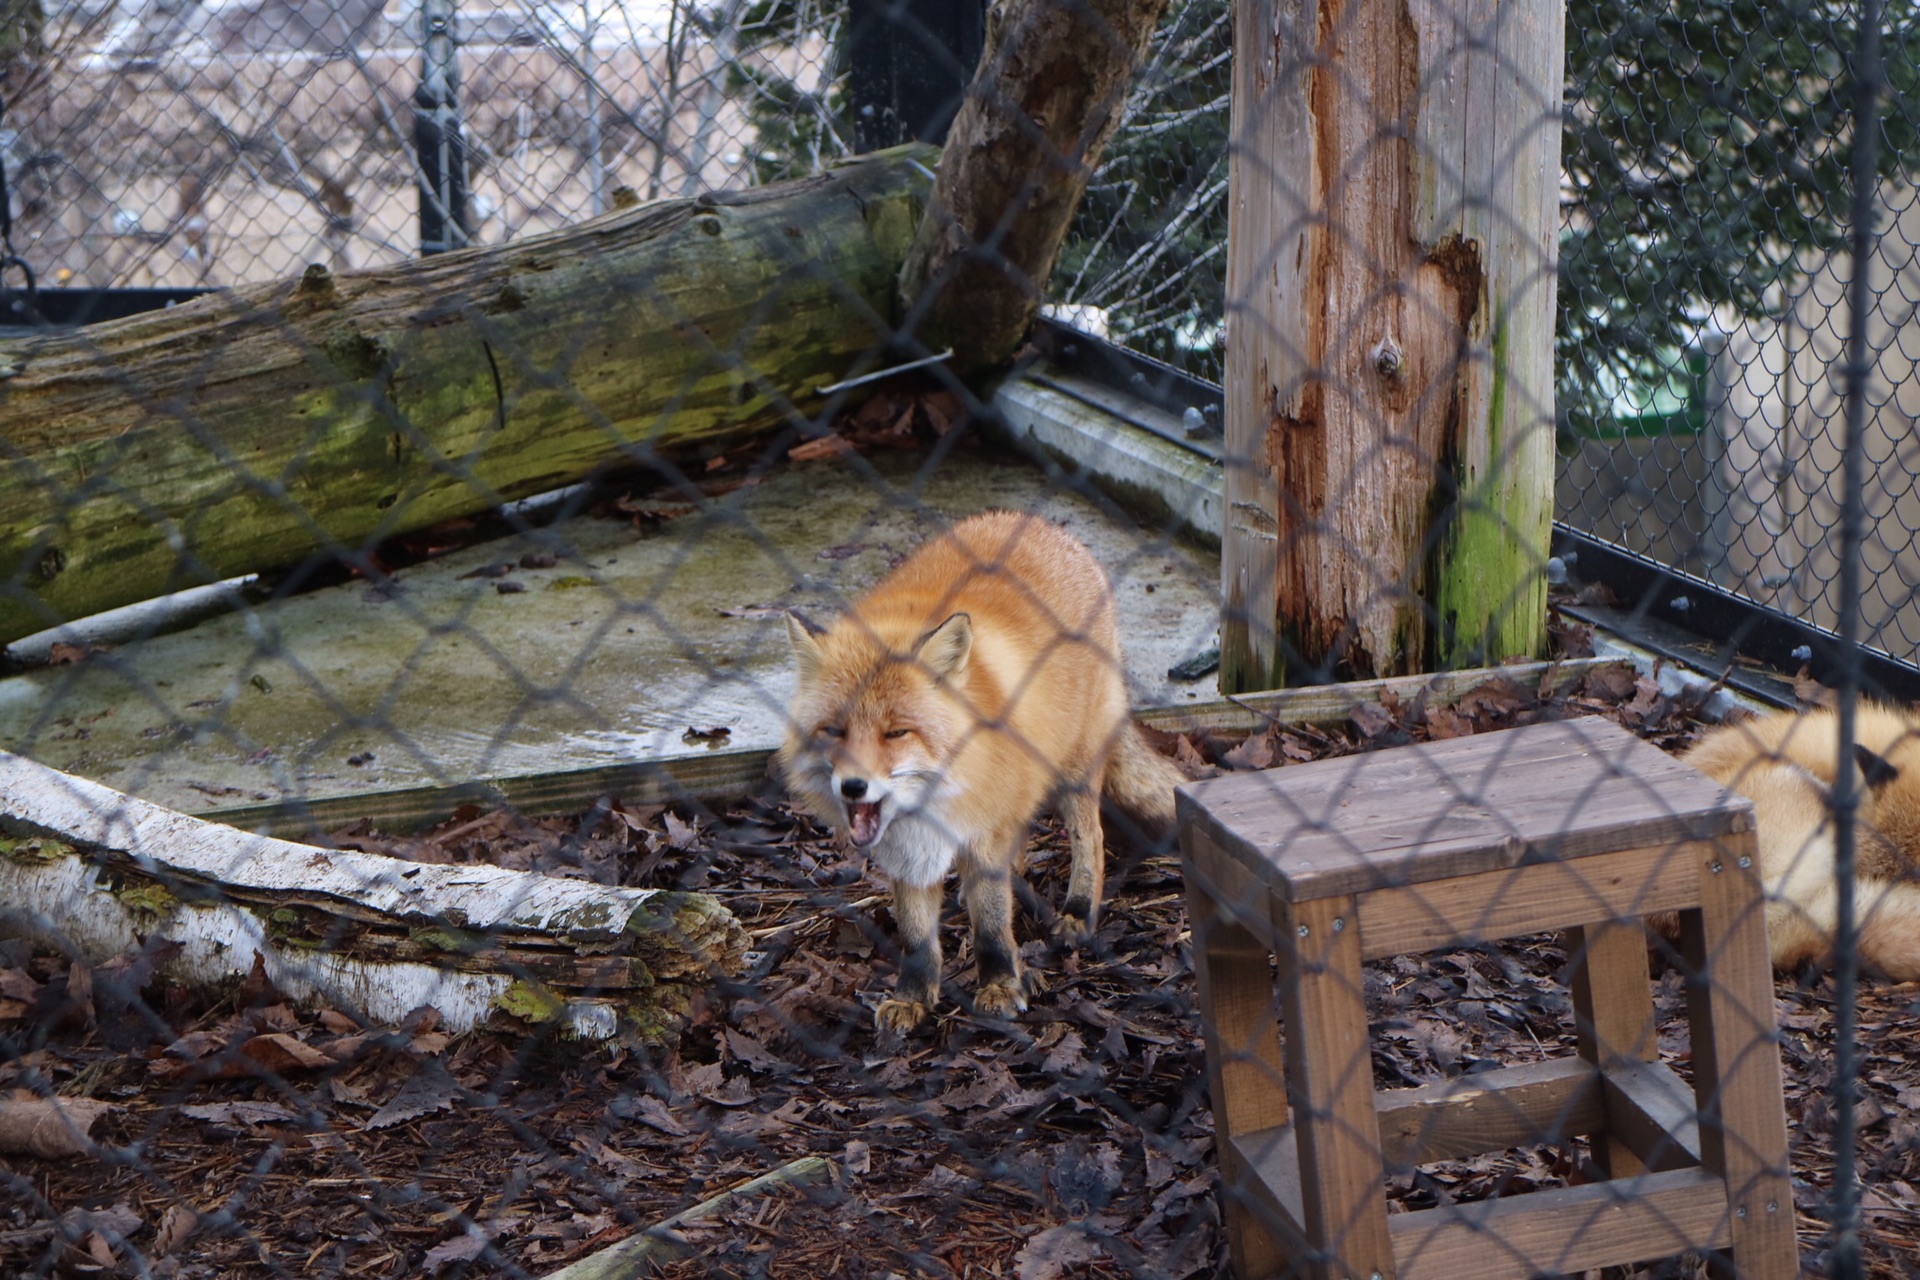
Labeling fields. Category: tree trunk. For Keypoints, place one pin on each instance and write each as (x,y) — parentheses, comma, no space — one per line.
(251,430)
(102,872)
(1053,77)
(1389,347)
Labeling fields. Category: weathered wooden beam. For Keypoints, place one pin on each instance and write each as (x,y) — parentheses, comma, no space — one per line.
(252,429)
(717,778)
(1390,294)
(102,872)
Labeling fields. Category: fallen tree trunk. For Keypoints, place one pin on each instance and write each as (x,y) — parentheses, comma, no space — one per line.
(100,873)
(1052,80)
(248,431)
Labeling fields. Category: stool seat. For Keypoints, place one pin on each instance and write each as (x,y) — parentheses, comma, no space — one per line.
(1309,870)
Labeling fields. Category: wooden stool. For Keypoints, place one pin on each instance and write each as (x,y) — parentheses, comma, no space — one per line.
(1576,826)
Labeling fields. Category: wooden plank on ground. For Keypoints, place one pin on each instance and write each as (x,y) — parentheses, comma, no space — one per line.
(1652,1111)
(717,778)
(1548,1101)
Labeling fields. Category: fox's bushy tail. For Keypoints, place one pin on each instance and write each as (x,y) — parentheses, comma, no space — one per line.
(1140,781)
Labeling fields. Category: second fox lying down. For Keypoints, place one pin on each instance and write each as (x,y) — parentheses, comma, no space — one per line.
(978,682)
(1787,765)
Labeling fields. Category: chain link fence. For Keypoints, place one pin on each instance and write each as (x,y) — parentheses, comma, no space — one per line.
(209,145)
(488,734)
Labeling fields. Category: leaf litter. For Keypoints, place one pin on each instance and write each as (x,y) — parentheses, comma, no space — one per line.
(253,1137)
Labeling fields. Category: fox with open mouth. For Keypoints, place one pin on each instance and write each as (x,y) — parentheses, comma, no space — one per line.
(977,683)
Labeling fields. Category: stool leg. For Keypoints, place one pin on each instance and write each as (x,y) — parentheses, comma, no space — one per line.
(1330,1081)
(1736,1059)
(1245,1076)
(1613,1013)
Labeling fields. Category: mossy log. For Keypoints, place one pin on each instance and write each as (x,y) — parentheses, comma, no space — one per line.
(251,430)
(100,872)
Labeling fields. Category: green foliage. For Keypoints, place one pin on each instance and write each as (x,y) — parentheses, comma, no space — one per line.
(1705,155)
(789,72)
(1706,146)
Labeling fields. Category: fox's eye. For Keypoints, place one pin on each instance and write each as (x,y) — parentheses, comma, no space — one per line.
(831,731)
(898,733)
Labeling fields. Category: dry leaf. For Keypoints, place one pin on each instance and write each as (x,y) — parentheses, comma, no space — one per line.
(1255,753)
(824,447)
(1049,1255)
(50,1128)
(247,1113)
(175,1226)
(281,1053)
(429,1089)
(681,835)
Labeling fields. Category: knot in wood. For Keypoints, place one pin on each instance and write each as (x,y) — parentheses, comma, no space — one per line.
(52,563)
(1387,360)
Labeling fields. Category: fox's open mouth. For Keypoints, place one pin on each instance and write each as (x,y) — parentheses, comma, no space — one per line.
(865,819)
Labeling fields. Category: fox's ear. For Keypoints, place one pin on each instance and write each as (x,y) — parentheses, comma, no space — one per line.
(805,634)
(1876,771)
(944,650)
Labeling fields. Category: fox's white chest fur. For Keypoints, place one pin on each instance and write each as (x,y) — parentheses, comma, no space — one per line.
(918,849)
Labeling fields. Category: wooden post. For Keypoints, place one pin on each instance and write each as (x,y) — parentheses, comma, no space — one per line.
(1390,303)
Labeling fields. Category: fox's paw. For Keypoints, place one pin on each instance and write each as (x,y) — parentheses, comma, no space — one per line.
(1071,931)
(899,1016)
(1001,998)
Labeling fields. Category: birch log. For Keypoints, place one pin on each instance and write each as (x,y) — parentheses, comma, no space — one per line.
(251,429)
(1390,286)
(100,872)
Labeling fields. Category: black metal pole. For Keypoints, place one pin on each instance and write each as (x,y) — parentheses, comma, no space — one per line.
(909,64)
(437,140)
(1864,66)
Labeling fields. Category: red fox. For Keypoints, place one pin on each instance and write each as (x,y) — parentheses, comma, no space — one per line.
(978,682)
(1787,764)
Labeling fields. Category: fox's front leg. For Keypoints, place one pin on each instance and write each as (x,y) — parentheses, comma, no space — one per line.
(988,890)
(916,909)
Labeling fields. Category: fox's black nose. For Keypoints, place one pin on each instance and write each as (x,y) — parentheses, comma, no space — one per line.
(853,788)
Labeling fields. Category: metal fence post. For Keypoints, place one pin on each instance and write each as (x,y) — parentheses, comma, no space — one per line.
(910,62)
(437,139)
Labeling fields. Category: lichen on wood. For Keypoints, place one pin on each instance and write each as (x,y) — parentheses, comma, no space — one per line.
(1389,346)
(249,430)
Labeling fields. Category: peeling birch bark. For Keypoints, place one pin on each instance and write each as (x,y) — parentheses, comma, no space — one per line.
(99,871)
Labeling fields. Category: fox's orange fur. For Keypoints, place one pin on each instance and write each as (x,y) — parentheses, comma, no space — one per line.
(977,683)
(1787,765)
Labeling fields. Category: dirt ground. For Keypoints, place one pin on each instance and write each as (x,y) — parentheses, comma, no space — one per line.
(255,1139)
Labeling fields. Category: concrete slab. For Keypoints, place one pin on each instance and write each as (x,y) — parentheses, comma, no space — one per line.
(609,657)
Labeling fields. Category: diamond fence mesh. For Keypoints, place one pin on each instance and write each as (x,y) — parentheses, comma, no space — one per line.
(491,734)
